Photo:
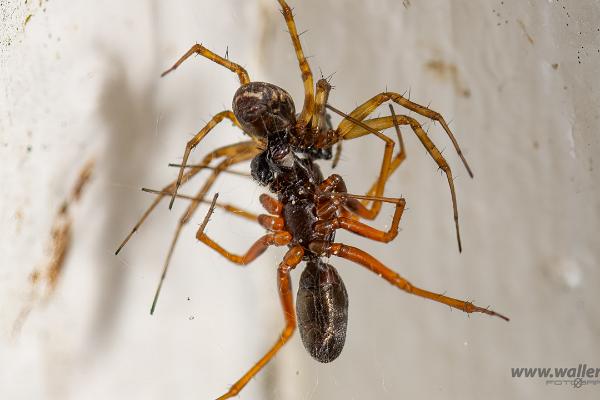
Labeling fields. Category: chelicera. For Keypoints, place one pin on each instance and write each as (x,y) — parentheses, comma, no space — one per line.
(284,150)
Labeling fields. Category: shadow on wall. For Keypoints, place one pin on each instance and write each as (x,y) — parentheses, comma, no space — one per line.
(129,115)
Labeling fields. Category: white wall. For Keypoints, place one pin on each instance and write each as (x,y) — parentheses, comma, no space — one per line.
(80,80)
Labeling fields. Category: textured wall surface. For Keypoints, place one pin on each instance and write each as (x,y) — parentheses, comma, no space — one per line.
(518,81)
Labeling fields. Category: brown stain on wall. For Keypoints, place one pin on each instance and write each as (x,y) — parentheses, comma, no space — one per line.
(446,71)
(524,29)
(43,280)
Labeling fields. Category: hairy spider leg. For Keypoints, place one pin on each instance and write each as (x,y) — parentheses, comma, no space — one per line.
(332,216)
(277,237)
(309,101)
(334,136)
(237,211)
(331,136)
(367,108)
(194,142)
(233,154)
(387,122)
(319,122)
(225,151)
(203,51)
(327,226)
(366,260)
(291,259)
(235,159)
(335,184)
(280,238)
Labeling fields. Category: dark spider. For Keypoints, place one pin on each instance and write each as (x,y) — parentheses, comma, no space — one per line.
(309,208)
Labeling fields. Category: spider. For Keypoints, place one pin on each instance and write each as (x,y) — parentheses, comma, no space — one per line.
(284,149)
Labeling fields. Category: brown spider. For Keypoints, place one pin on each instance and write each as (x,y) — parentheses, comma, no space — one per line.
(309,208)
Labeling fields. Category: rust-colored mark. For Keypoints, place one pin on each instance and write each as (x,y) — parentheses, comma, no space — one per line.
(60,238)
(44,279)
(445,71)
(18,216)
(27,19)
(84,177)
(522,25)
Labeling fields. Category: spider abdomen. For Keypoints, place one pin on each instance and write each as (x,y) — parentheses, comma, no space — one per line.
(322,311)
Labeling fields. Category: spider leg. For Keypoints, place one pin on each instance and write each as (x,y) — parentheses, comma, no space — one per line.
(237,158)
(237,211)
(291,259)
(328,226)
(203,51)
(194,142)
(366,260)
(280,238)
(226,151)
(335,184)
(334,136)
(387,122)
(367,108)
(309,101)
(319,119)
(234,154)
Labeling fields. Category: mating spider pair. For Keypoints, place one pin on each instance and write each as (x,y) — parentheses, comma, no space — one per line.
(284,148)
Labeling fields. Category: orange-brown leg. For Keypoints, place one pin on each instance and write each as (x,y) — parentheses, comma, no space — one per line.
(197,139)
(291,259)
(309,100)
(361,229)
(384,172)
(319,119)
(366,260)
(234,154)
(334,183)
(363,128)
(387,122)
(237,211)
(273,223)
(367,108)
(280,238)
(226,151)
(203,51)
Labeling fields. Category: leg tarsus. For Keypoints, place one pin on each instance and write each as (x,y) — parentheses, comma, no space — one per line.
(203,51)
(366,260)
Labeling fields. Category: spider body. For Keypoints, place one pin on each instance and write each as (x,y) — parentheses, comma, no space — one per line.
(322,300)
(283,152)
